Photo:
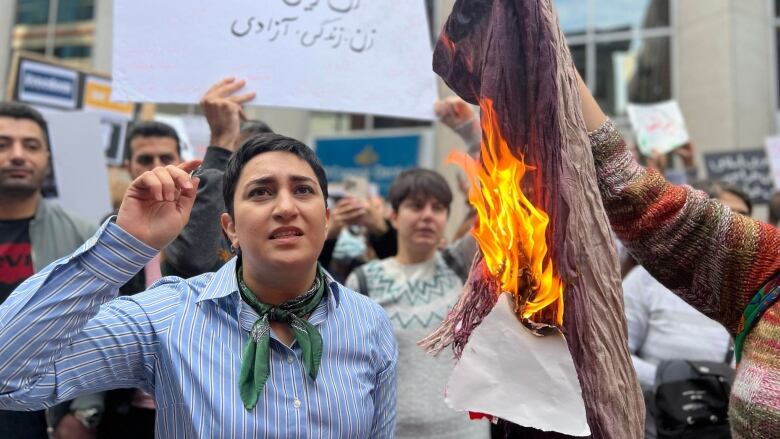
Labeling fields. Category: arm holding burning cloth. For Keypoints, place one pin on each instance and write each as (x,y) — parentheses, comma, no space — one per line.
(722,263)
(535,188)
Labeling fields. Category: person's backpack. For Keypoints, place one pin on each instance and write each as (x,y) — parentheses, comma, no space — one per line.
(692,399)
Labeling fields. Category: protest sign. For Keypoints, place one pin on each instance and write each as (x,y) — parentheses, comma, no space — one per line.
(333,55)
(114,116)
(377,158)
(748,170)
(193,131)
(97,97)
(46,83)
(198,132)
(79,165)
(40,82)
(658,127)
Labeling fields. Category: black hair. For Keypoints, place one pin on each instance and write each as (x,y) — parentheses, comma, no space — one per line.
(260,144)
(252,127)
(150,128)
(17,110)
(715,188)
(419,181)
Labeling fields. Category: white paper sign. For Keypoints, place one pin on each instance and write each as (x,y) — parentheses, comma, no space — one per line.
(508,372)
(79,165)
(193,131)
(658,127)
(177,123)
(369,56)
(773,153)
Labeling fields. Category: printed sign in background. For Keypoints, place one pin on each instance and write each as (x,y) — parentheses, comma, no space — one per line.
(114,116)
(335,55)
(40,83)
(748,170)
(97,97)
(379,159)
(49,84)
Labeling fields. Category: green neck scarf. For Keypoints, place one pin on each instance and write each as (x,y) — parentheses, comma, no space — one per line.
(255,363)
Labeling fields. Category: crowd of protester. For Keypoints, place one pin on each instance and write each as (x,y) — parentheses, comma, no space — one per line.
(255,216)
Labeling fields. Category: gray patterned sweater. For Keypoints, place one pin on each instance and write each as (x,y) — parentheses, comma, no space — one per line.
(417,297)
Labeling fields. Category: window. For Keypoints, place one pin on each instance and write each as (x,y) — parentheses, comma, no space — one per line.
(622,48)
(36,12)
(73,51)
(573,16)
(69,11)
(625,15)
(32,12)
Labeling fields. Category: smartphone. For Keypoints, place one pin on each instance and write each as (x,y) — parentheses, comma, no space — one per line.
(356,186)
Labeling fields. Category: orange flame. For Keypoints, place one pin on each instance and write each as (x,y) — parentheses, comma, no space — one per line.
(510,230)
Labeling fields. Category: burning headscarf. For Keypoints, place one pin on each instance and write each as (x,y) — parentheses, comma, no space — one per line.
(540,238)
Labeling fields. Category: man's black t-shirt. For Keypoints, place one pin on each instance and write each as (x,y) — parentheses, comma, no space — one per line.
(15,267)
(15,255)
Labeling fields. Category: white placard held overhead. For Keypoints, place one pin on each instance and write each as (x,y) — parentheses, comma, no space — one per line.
(658,127)
(333,55)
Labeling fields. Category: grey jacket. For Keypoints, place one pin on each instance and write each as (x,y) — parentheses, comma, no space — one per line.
(55,233)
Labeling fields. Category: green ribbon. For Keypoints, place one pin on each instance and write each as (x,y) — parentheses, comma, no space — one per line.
(766,297)
(256,361)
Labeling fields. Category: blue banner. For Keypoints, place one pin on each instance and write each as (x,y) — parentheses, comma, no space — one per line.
(378,159)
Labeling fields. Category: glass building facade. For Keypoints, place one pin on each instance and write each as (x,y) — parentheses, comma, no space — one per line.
(72,31)
(622,48)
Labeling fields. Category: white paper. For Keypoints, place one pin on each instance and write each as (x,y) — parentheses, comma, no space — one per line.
(79,163)
(199,133)
(177,123)
(773,153)
(335,55)
(659,127)
(508,372)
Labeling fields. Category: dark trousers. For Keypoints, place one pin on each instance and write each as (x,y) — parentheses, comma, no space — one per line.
(507,430)
(23,425)
(134,423)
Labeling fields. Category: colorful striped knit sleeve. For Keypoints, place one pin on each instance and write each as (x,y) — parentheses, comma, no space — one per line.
(713,258)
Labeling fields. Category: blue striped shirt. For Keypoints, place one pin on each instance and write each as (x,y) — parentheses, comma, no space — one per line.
(61,335)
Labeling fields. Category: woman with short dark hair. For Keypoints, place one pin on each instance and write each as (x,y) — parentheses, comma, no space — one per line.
(268,346)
